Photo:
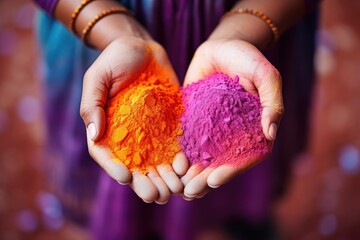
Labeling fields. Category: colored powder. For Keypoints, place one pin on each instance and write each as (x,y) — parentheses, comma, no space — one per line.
(221,123)
(143,121)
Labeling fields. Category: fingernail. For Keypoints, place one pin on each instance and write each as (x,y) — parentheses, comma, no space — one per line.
(124,184)
(146,201)
(213,186)
(161,203)
(187,198)
(189,195)
(273,130)
(91,130)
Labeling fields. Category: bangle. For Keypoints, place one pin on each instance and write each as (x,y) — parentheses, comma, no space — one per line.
(75,15)
(103,14)
(107,12)
(273,27)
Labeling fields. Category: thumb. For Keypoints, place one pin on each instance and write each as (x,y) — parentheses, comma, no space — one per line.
(268,82)
(93,100)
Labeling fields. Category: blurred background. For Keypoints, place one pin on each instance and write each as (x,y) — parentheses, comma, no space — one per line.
(323,197)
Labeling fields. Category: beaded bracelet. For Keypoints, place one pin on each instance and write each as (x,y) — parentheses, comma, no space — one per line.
(75,15)
(273,27)
(107,12)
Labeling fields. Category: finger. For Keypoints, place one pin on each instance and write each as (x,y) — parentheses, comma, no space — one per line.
(180,164)
(144,187)
(164,193)
(260,77)
(113,166)
(189,199)
(93,100)
(198,185)
(201,195)
(268,82)
(193,171)
(167,173)
(222,175)
(106,77)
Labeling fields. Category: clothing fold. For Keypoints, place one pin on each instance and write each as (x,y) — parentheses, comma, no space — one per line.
(92,198)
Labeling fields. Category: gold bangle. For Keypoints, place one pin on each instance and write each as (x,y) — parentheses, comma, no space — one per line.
(75,15)
(273,27)
(107,12)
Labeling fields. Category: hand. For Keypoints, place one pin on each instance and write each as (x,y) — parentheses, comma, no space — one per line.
(120,63)
(258,76)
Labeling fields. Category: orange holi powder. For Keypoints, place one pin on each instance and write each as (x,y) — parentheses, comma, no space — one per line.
(143,121)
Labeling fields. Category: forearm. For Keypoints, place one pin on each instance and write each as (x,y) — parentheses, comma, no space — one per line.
(105,30)
(284,13)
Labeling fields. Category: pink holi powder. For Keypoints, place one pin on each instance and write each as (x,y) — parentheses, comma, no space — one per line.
(221,123)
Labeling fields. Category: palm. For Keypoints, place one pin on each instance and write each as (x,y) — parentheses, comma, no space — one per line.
(257,75)
(118,65)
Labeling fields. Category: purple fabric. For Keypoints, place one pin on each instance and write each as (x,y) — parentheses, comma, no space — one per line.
(47,5)
(311,4)
(180,26)
(181,29)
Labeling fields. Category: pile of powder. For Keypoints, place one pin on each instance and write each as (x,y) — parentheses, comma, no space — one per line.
(143,121)
(221,123)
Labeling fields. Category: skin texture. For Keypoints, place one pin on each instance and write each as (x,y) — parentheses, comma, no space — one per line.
(257,75)
(232,49)
(111,72)
(110,79)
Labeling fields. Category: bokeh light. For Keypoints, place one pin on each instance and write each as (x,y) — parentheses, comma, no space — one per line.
(327,225)
(324,58)
(28,109)
(24,16)
(349,159)
(51,209)
(8,41)
(325,196)
(27,220)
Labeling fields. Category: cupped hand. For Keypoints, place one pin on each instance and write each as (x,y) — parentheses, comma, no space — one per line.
(258,76)
(120,63)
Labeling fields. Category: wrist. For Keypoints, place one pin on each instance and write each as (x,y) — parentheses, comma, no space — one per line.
(259,22)
(114,27)
(103,31)
(244,27)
